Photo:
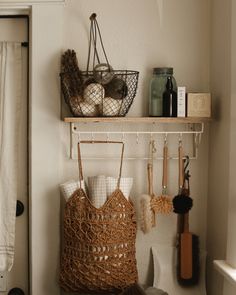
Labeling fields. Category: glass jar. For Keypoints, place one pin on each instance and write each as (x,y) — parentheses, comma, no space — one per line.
(157,88)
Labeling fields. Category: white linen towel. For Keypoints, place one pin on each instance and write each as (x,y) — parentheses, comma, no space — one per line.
(126,184)
(97,190)
(10,100)
(69,187)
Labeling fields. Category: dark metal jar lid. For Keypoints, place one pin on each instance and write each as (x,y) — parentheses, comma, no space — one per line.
(163,71)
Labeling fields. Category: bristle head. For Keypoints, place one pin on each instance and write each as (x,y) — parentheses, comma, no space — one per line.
(162,204)
(146,213)
(182,204)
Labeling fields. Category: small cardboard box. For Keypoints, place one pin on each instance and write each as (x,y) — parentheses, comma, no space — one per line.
(198,104)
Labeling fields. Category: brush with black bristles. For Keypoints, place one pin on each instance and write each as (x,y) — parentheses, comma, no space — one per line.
(188,267)
(182,203)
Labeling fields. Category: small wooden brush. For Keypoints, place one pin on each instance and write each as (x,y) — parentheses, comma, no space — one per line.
(147,214)
(163,203)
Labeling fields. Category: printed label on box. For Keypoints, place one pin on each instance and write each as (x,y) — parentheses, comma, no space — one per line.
(181,108)
(199,105)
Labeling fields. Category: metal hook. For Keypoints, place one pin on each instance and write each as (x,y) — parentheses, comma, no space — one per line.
(123,137)
(108,136)
(196,139)
(186,173)
(154,149)
(186,163)
(199,138)
(180,139)
(92,136)
(165,140)
(137,138)
(151,137)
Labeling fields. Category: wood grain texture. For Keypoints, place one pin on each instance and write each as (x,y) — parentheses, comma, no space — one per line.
(135,120)
(186,263)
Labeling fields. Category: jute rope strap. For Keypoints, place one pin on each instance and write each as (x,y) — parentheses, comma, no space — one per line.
(81,177)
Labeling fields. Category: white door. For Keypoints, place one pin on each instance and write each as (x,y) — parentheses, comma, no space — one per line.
(15,29)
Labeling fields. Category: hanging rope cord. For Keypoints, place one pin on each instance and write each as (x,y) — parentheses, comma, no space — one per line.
(94,31)
(81,177)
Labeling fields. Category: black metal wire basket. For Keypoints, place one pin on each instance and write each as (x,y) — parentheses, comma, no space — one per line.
(102,91)
(88,98)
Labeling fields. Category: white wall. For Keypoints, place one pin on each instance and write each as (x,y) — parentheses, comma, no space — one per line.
(221,235)
(138,35)
(45,147)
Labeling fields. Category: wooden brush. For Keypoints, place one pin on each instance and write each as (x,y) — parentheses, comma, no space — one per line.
(188,250)
(147,214)
(182,203)
(188,267)
(163,203)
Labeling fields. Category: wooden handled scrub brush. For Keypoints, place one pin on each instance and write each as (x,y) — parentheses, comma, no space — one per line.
(147,214)
(163,203)
(188,248)
(182,203)
(152,204)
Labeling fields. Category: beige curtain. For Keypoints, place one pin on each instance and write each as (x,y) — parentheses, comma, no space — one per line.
(10,104)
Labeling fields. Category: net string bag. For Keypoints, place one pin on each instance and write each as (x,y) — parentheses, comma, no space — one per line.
(100,91)
(99,243)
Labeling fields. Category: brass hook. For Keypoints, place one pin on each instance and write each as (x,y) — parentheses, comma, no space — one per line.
(180,139)
(93,16)
(165,140)
(137,138)
(123,137)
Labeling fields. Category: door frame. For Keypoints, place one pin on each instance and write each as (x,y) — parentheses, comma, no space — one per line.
(43,135)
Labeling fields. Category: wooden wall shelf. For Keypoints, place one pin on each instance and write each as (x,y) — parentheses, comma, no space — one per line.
(145,120)
(189,126)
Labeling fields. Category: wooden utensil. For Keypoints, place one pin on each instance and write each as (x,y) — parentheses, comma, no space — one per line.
(188,249)
(186,244)
(163,203)
(182,203)
(147,214)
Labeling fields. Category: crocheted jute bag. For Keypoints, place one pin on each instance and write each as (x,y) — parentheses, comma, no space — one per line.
(99,243)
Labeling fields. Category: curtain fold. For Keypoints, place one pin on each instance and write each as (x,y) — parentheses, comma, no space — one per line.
(10,106)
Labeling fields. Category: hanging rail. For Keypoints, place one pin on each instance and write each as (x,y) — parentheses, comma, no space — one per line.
(74,131)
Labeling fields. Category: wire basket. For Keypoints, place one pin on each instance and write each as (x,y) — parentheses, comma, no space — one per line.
(101,91)
(88,98)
